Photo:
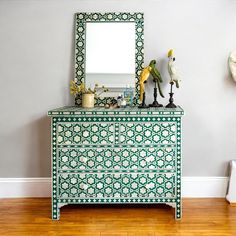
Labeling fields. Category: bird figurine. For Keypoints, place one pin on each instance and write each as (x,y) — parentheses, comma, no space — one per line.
(157,79)
(174,77)
(172,69)
(143,79)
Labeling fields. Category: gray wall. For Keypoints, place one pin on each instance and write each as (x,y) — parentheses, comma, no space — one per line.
(36,61)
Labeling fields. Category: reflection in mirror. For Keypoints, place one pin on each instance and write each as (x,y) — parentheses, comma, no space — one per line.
(110,55)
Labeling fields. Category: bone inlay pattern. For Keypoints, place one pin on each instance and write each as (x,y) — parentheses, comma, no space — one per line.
(80,42)
(115,158)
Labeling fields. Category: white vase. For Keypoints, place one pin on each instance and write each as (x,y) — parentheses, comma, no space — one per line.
(88,100)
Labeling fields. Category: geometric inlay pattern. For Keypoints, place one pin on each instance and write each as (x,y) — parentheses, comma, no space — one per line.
(148,133)
(116,158)
(126,156)
(85,133)
(80,46)
(117,185)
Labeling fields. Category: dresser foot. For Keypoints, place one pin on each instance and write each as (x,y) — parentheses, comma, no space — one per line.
(178,210)
(55,212)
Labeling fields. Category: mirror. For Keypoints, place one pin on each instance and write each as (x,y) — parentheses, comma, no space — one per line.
(110,55)
(109,52)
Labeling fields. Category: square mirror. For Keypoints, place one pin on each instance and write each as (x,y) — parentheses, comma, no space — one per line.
(109,52)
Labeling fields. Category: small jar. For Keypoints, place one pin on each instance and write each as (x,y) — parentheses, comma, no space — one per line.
(119,99)
(88,100)
(123,103)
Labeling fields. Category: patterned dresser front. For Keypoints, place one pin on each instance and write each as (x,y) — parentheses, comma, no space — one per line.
(125,155)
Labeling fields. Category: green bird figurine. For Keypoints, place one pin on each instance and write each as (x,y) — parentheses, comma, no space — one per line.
(157,79)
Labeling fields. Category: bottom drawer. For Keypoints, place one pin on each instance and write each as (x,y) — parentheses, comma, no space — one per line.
(116,185)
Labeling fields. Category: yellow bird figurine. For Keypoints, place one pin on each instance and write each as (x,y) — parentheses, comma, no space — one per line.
(143,78)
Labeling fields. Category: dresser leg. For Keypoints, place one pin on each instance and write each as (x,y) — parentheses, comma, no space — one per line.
(55,212)
(178,210)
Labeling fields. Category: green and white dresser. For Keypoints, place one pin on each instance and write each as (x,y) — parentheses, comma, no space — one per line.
(119,156)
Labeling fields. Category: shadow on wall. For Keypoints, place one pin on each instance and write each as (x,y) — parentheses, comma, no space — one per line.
(40,151)
(229,79)
(163,65)
(72,64)
(38,148)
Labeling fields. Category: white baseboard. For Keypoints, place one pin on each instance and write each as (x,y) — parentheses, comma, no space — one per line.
(195,187)
(199,187)
(25,187)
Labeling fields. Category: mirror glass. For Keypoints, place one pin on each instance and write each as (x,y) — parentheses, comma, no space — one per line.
(110,55)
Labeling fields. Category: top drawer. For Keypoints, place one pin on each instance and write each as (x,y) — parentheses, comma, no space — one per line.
(77,133)
(122,133)
(148,133)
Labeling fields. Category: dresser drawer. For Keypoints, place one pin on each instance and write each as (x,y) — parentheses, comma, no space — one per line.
(147,133)
(140,133)
(116,185)
(116,158)
(87,133)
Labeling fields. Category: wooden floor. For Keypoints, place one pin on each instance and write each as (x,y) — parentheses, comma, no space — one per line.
(200,217)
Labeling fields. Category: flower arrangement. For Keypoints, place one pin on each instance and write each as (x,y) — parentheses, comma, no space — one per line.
(76,89)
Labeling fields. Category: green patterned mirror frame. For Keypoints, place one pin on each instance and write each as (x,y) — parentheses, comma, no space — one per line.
(80,42)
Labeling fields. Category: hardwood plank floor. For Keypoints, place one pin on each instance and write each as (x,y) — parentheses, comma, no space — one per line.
(201,217)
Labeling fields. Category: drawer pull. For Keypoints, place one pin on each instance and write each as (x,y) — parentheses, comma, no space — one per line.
(84,186)
(150,159)
(84,159)
(151,185)
(147,186)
